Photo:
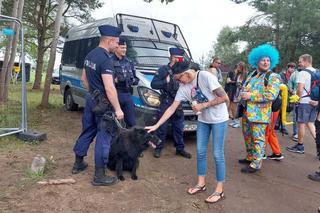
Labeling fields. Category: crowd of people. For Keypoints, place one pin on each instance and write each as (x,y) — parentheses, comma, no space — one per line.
(251,99)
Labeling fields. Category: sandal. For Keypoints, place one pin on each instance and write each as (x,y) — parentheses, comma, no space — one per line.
(196,189)
(218,194)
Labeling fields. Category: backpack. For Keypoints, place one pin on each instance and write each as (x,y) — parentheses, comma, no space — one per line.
(314,91)
(276,103)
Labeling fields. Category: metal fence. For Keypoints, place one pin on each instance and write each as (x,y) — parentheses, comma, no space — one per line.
(21,124)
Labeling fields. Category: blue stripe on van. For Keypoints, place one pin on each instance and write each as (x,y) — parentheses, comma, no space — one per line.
(74,81)
(149,77)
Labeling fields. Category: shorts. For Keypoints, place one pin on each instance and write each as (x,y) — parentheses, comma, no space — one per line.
(306,113)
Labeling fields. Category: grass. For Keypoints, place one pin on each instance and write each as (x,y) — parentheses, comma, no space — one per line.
(31,178)
(10,113)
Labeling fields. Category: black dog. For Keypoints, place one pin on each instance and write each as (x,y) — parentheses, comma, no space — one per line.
(126,149)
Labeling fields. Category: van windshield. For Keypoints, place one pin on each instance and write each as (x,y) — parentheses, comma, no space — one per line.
(149,53)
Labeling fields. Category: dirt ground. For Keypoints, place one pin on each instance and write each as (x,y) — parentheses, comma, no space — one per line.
(162,184)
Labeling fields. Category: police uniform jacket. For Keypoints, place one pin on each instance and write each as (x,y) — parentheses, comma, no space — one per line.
(125,74)
(159,82)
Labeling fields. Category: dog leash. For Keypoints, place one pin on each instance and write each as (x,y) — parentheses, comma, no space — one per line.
(111,117)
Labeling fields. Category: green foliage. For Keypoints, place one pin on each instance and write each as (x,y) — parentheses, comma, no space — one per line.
(226,48)
(293,26)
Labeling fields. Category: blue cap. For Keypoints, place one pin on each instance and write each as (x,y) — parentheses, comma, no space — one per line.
(108,30)
(176,51)
(122,41)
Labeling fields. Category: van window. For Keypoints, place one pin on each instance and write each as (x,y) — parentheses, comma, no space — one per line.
(74,52)
(148,53)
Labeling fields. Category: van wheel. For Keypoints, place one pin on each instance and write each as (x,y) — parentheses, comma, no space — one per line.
(69,102)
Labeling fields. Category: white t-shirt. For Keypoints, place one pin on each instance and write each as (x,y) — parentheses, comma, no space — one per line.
(207,83)
(305,78)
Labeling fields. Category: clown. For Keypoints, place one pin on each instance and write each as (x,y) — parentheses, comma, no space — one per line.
(257,100)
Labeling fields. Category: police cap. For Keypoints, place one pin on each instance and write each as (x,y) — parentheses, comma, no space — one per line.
(122,41)
(108,30)
(176,51)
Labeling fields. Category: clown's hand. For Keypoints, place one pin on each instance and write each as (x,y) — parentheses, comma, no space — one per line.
(294,99)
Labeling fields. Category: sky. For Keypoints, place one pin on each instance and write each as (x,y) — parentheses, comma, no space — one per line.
(200,20)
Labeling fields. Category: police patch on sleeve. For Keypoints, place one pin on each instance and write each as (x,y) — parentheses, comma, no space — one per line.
(107,67)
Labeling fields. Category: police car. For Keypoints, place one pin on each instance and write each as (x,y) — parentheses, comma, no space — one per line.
(148,41)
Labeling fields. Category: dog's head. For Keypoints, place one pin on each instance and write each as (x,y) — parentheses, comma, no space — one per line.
(146,139)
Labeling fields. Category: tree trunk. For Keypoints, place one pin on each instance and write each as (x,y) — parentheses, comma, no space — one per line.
(4,83)
(14,47)
(39,66)
(46,91)
(0,6)
(41,44)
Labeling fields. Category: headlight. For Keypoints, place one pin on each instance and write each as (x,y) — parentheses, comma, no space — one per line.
(149,96)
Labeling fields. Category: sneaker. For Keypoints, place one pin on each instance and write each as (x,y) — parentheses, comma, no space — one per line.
(244,161)
(236,124)
(264,157)
(284,131)
(275,156)
(249,169)
(315,176)
(298,148)
(295,137)
(231,123)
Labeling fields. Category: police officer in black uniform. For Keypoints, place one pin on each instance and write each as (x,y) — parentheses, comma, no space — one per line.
(168,87)
(125,78)
(97,77)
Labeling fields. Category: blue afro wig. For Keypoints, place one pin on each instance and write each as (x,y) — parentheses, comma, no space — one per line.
(264,50)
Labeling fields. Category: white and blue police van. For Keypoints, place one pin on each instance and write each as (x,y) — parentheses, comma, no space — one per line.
(148,42)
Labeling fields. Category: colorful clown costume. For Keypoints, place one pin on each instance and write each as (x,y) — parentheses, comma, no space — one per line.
(258,113)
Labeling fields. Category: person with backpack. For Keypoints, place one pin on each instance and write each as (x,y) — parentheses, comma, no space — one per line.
(257,98)
(306,110)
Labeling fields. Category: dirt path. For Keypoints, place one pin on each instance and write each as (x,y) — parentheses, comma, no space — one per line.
(280,187)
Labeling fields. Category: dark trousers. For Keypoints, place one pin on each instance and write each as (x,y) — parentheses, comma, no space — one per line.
(317,125)
(127,106)
(90,130)
(177,128)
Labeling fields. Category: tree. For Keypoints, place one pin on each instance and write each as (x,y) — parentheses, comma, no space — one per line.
(226,48)
(46,91)
(39,21)
(293,26)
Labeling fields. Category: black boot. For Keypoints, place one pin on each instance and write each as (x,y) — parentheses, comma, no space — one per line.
(79,165)
(183,153)
(157,153)
(100,178)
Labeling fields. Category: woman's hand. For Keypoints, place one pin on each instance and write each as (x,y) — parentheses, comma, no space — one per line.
(313,103)
(245,95)
(151,128)
(198,107)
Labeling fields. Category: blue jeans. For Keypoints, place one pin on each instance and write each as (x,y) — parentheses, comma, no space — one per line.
(219,131)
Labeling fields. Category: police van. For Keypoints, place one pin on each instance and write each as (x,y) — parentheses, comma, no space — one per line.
(148,42)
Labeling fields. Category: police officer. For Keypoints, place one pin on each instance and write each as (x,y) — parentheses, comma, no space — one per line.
(125,78)
(168,87)
(97,77)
